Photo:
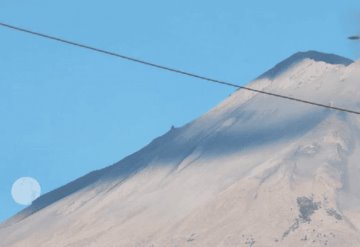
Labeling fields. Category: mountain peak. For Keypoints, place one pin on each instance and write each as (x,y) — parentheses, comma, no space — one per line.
(301,56)
(206,183)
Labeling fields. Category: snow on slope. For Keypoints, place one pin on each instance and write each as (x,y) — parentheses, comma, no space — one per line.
(254,171)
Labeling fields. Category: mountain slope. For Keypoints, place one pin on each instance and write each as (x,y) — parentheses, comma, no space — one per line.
(254,171)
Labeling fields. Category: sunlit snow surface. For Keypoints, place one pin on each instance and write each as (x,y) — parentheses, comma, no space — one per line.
(254,171)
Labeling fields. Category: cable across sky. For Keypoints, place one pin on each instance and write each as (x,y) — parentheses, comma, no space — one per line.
(174,70)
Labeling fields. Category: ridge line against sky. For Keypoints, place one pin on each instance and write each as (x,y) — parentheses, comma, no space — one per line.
(58,124)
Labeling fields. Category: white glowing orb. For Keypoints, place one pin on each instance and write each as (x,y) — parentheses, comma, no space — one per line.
(25,190)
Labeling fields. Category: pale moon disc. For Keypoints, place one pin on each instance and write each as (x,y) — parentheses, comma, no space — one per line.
(25,190)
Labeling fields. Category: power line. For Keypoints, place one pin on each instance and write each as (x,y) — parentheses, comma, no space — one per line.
(162,67)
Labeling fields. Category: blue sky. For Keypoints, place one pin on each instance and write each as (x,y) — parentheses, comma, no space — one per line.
(66,111)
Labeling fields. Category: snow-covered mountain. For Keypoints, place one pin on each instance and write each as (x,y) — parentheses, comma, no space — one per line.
(254,171)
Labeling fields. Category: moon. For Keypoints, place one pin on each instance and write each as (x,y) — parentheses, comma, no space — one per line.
(25,190)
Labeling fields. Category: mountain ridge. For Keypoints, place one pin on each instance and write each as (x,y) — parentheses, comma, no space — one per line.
(220,180)
(301,56)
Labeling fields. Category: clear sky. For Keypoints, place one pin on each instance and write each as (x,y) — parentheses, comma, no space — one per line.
(66,111)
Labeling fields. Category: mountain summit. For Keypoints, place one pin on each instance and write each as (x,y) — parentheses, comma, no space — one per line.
(301,56)
(254,171)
